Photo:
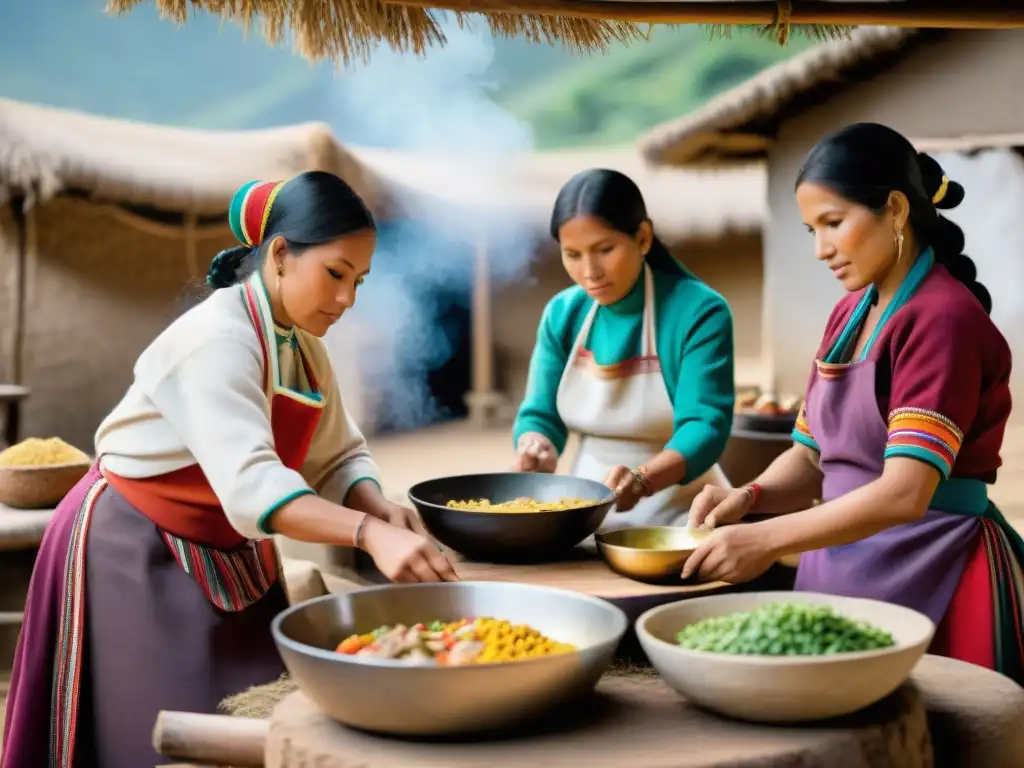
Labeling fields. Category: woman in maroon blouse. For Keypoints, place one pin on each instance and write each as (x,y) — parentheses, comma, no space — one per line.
(906,408)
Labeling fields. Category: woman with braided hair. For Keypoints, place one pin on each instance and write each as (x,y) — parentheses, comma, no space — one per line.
(157,580)
(906,408)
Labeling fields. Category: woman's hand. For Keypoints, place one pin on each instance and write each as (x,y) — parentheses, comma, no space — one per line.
(628,490)
(403,556)
(715,506)
(400,516)
(734,554)
(536,454)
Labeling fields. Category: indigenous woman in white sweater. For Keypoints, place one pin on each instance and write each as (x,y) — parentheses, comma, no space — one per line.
(157,580)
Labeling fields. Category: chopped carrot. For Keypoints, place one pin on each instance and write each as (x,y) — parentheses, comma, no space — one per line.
(350,645)
(441,659)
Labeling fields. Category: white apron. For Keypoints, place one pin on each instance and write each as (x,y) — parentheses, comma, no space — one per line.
(623,415)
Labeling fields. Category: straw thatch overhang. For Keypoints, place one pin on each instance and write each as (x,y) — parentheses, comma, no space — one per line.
(345,30)
(740,124)
(165,175)
(46,151)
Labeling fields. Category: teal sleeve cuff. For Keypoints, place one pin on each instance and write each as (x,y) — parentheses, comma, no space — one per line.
(265,520)
(804,439)
(357,481)
(921,454)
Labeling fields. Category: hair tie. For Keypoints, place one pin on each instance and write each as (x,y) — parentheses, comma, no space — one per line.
(941,192)
(250,210)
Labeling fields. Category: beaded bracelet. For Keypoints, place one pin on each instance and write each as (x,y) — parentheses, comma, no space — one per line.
(359,532)
(641,478)
(755,493)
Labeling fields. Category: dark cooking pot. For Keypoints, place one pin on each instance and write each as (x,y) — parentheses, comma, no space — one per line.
(510,536)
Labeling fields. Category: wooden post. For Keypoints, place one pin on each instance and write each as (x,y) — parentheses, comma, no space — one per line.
(191,260)
(20,289)
(482,400)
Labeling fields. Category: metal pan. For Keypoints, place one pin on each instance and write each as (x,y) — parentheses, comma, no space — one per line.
(513,537)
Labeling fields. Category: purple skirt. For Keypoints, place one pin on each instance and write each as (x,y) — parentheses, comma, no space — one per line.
(152,641)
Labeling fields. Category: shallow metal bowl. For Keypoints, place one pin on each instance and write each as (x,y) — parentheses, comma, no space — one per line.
(394,698)
(651,554)
(510,536)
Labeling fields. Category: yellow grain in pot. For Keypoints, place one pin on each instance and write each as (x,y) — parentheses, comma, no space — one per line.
(522,504)
(37,452)
(506,642)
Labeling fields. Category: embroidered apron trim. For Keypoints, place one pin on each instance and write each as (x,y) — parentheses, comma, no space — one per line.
(67,661)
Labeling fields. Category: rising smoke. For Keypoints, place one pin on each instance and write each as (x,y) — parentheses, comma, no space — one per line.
(437,107)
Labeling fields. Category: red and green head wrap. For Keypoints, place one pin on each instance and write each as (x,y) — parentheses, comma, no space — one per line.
(250,210)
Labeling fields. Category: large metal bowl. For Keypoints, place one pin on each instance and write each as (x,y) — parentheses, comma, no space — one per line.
(510,536)
(394,698)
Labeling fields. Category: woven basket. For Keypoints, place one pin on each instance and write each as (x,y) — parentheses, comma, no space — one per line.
(39,487)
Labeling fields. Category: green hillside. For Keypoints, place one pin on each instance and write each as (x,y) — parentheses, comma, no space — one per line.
(211,75)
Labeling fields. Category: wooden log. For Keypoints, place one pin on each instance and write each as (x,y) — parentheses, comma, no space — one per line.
(211,739)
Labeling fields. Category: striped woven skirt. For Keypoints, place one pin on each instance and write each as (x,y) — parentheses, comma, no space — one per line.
(984,623)
(121,622)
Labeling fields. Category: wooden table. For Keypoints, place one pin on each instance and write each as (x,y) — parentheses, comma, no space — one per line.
(587,573)
(12,396)
(22,529)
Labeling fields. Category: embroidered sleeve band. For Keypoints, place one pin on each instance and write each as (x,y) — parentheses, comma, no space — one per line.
(802,432)
(925,435)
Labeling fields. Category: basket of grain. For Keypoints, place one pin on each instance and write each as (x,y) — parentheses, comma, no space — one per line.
(38,473)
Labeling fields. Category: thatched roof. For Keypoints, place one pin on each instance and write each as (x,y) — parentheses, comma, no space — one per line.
(44,150)
(740,123)
(344,30)
(685,205)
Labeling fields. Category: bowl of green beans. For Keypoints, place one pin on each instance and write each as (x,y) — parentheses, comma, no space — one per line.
(784,657)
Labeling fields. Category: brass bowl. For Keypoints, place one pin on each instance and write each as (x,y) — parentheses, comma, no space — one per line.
(654,554)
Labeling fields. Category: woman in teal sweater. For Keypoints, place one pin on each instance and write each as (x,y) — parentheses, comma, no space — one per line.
(637,358)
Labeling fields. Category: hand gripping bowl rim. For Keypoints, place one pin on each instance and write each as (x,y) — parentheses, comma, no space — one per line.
(416,500)
(645,636)
(330,655)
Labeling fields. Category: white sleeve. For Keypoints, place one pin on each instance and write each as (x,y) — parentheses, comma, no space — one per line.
(338,457)
(214,400)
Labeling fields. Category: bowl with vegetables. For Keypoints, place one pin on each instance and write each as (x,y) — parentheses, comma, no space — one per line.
(778,657)
(449,658)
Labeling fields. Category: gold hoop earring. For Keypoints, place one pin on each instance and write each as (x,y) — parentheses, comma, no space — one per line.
(899,245)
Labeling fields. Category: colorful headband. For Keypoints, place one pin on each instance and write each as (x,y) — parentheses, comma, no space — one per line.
(250,209)
(941,193)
